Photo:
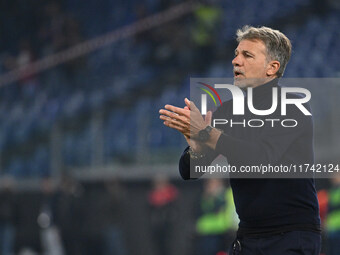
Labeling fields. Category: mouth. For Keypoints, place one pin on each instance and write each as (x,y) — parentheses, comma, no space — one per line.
(237,74)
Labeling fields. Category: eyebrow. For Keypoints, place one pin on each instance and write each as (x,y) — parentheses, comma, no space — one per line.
(244,52)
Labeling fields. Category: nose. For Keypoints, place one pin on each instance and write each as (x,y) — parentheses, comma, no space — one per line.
(237,61)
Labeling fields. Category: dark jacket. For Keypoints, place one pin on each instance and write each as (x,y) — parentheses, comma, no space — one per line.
(267,204)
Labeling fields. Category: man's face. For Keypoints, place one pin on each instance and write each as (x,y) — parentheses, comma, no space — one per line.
(250,63)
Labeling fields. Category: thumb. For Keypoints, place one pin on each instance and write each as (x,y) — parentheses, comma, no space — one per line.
(187,102)
(190,104)
(208,118)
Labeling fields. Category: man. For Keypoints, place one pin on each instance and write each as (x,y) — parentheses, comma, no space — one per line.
(333,211)
(277,216)
(216,218)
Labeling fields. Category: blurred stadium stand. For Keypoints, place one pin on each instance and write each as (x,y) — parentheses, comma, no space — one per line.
(129,80)
(96,116)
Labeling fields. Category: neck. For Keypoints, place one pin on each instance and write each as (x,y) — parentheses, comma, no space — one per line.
(262,81)
(253,82)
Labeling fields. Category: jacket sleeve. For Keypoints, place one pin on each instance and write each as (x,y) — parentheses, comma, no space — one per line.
(187,165)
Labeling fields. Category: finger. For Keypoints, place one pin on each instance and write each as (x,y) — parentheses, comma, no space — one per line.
(174,116)
(191,104)
(187,102)
(178,128)
(175,122)
(186,108)
(208,118)
(177,110)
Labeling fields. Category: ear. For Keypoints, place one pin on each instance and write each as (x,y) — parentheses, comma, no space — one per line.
(273,67)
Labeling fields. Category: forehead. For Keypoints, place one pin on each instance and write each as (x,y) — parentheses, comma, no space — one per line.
(253,46)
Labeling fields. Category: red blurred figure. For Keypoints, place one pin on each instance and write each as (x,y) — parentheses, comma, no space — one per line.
(162,200)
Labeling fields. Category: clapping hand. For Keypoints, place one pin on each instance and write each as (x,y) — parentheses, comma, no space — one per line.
(188,120)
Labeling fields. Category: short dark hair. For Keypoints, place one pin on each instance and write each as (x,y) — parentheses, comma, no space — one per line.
(278,46)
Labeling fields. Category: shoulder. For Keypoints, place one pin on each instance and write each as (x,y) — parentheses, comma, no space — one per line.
(296,106)
(297,103)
